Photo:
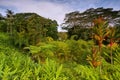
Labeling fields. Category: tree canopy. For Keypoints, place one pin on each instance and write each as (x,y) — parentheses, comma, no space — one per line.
(28,28)
(78,22)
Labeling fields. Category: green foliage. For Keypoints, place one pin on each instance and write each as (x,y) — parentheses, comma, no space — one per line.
(88,73)
(15,65)
(3,26)
(79,50)
(64,51)
(41,52)
(51,71)
(62,36)
(35,25)
(28,28)
(116,56)
(61,50)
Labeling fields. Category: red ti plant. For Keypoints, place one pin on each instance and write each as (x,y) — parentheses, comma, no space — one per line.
(100,31)
(113,37)
(94,59)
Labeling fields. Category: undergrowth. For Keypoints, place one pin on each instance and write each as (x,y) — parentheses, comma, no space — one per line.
(15,65)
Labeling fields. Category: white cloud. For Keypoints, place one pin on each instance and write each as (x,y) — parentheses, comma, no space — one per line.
(46,9)
(2,11)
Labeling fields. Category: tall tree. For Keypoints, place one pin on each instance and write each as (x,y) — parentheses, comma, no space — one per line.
(28,28)
(9,15)
(75,21)
(32,28)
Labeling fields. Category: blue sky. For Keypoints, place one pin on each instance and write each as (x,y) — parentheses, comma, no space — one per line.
(55,9)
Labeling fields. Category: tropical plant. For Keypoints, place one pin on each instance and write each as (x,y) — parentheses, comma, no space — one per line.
(94,59)
(100,31)
(113,38)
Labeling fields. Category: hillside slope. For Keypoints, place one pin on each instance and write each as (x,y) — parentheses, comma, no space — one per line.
(15,65)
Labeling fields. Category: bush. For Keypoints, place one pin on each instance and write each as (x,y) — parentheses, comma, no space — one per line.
(79,50)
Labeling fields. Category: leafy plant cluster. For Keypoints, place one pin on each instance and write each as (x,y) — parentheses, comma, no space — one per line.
(69,50)
(57,60)
(17,66)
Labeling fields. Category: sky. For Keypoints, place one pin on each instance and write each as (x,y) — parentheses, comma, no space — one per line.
(55,9)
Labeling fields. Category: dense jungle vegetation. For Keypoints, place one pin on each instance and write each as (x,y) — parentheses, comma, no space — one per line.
(31,48)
